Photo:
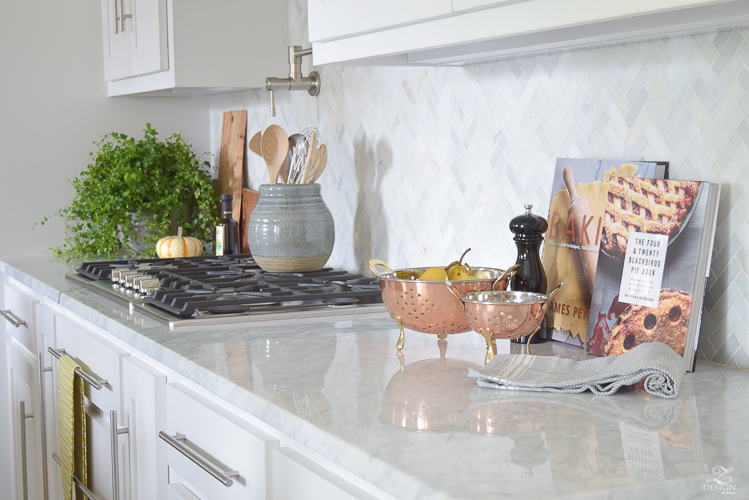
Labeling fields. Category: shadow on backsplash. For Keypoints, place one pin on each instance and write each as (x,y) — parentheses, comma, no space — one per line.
(370,225)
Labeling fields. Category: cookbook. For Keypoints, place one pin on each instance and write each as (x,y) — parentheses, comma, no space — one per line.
(571,243)
(653,265)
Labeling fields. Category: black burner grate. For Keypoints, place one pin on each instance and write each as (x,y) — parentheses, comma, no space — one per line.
(236,285)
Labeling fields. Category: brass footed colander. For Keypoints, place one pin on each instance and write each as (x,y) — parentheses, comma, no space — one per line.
(429,306)
(503,314)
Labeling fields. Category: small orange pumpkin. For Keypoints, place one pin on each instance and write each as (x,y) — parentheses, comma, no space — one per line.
(179,246)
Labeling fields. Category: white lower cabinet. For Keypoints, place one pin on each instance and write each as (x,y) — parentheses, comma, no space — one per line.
(212,454)
(18,311)
(24,416)
(101,362)
(45,338)
(144,409)
(296,477)
(147,439)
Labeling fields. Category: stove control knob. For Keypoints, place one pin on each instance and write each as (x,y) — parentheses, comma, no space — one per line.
(124,274)
(130,277)
(149,285)
(137,279)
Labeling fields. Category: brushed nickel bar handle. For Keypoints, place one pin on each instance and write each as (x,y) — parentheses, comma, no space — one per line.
(177,442)
(114,432)
(123,16)
(43,419)
(24,472)
(77,481)
(96,383)
(15,320)
(116,18)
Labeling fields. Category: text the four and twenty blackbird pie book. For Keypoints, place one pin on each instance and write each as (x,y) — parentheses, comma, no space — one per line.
(655,249)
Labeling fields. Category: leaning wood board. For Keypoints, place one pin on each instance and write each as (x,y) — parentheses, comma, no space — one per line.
(231,158)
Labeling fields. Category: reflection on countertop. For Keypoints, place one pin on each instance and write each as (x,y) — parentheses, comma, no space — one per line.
(416,427)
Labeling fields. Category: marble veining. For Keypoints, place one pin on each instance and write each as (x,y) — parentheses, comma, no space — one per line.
(416,427)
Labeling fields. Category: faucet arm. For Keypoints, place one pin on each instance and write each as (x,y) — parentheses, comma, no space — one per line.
(295,81)
(309,83)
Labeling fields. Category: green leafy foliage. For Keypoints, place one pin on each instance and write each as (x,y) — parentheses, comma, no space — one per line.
(160,183)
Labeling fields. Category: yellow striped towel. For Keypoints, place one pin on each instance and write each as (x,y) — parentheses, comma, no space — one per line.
(72,415)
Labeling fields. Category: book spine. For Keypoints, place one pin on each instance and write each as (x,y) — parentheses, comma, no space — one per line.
(702,275)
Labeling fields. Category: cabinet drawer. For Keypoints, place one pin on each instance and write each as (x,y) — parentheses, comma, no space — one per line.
(296,477)
(18,308)
(218,438)
(98,358)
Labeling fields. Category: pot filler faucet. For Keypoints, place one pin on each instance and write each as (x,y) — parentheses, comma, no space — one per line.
(295,81)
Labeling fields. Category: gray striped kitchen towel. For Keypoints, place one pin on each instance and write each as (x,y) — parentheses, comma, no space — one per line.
(656,363)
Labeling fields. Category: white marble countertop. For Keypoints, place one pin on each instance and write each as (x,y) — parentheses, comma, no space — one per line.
(416,427)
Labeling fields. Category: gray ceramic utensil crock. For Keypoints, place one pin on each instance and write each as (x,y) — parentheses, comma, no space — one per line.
(291,228)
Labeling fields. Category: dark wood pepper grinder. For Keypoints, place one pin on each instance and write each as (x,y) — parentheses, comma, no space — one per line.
(529,232)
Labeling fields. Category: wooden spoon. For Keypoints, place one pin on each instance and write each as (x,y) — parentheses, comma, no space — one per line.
(274,144)
(255,148)
(320,162)
(255,144)
(310,160)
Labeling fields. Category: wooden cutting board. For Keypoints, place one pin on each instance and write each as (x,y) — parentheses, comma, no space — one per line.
(231,158)
(249,199)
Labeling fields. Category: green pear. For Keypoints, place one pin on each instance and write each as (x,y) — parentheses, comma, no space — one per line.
(434,274)
(457,272)
(407,275)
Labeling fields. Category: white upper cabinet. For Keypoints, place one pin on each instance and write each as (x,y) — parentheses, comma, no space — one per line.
(134,45)
(389,33)
(187,47)
(363,16)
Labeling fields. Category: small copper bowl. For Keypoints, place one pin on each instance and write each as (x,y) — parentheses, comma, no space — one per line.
(429,306)
(503,314)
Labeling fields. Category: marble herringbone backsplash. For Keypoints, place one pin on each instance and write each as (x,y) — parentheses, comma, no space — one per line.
(426,162)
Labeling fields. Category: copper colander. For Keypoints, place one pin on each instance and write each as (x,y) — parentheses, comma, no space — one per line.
(503,314)
(429,306)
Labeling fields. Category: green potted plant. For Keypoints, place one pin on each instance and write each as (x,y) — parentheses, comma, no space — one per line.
(135,192)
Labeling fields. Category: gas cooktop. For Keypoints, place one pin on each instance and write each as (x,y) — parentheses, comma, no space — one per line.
(226,289)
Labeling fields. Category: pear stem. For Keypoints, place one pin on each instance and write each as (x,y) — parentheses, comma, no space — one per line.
(461,257)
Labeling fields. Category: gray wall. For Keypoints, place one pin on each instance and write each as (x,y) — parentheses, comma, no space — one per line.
(54,105)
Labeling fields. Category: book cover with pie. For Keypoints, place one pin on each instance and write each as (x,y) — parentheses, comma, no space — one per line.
(571,243)
(654,260)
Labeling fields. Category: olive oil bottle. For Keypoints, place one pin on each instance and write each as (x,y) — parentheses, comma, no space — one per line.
(227,230)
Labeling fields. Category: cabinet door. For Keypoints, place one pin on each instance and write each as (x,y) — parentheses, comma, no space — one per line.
(116,41)
(148,37)
(144,413)
(45,338)
(22,383)
(329,19)
(136,45)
